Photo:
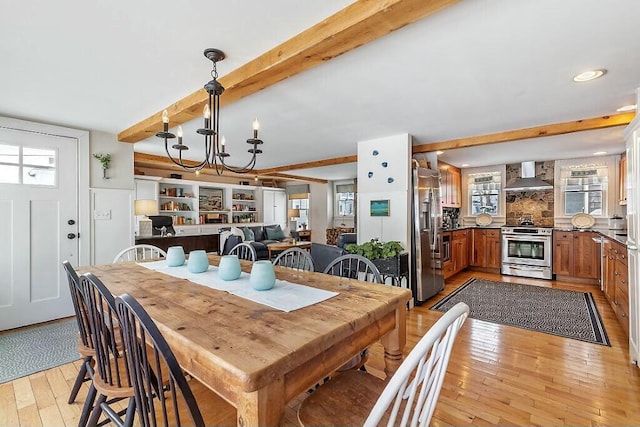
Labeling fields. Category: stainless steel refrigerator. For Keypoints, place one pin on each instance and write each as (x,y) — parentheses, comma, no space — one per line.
(426,278)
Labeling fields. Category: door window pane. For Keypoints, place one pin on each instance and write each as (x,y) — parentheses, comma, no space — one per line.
(9,174)
(38,176)
(39,157)
(9,154)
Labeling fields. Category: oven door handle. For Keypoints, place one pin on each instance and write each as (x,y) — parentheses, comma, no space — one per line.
(522,238)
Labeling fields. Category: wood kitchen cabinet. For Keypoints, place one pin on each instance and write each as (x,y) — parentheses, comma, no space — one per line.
(459,257)
(616,280)
(450,185)
(576,256)
(486,248)
(622,180)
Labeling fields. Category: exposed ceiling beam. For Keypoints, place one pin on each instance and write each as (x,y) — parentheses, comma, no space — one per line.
(142,160)
(298,178)
(309,165)
(357,24)
(621,119)
(534,132)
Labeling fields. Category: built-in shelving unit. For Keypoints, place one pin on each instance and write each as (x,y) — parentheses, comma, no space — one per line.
(209,204)
(243,205)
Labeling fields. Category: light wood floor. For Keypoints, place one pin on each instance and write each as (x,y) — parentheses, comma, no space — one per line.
(498,375)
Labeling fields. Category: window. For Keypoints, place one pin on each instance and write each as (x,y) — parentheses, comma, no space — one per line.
(298,195)
(484,193)
(24,165)
(303,206)
(345,200)
(584,189)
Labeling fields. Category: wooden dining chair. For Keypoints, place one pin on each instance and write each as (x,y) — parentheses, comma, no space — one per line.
(85,344)
(409,397)
(354,266)
(244,251)
(148,354)
(296,258)
(139,253)
(111,378)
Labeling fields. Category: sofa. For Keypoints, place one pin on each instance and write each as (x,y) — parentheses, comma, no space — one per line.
(258,236)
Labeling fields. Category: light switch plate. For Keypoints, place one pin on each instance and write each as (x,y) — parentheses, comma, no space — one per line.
(102,215)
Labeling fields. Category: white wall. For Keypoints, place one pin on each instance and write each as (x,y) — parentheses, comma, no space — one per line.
(319,208)
(111,200)
(373,184)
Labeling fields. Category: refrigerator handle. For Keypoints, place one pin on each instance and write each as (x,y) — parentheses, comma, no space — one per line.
(433,223)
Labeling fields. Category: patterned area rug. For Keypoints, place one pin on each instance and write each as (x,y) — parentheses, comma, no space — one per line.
(569,314)
(25,352)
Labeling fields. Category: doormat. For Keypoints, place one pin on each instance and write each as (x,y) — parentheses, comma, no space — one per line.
(569,314)
(31,350)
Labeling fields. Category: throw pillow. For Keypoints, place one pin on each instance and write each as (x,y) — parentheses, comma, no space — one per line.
(274,233)
(248,234)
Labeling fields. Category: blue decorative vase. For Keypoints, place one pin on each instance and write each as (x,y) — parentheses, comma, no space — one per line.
(262,276)
(229,267)
(198,262)
(175,256)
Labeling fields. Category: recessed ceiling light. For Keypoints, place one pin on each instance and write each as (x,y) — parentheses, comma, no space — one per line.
(626,108)
(439,152)
(589,75)
(599,153)
(464,165)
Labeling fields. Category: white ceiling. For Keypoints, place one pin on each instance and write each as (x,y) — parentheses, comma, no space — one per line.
(478,67)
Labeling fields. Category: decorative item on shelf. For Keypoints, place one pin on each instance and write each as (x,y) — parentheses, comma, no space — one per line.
(215,153)
(104,159)
(145,207)
(293,215)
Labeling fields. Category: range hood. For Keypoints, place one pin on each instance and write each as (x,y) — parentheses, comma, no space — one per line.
(528,182)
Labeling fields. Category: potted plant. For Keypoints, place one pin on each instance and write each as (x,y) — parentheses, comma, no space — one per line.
(386,256)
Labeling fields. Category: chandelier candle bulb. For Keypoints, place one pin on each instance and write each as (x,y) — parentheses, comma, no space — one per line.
(165,120)
(206,113)
(256,126)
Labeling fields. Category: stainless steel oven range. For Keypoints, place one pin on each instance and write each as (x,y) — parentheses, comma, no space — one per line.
(526,251)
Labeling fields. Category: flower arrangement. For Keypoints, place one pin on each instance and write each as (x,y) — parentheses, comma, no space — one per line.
(104,159)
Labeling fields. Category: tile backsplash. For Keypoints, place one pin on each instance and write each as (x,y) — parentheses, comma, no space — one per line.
(538,203)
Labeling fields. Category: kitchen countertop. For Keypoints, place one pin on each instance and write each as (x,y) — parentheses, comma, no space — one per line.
(619,236)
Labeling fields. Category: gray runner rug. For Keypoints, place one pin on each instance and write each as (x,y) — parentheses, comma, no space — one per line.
(569,314)
(27,351)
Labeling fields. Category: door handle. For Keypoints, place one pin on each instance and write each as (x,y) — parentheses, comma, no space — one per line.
(71,236)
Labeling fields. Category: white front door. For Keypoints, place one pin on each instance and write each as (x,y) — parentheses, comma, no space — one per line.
(38,225)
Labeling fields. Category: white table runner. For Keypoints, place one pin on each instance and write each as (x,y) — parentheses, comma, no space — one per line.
(285,296)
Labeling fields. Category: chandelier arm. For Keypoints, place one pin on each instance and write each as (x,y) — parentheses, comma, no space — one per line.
(179,161)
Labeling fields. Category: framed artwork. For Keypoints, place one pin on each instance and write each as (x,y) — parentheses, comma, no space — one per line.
(379,208)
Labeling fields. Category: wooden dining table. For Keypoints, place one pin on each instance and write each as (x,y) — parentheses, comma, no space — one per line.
(256,357)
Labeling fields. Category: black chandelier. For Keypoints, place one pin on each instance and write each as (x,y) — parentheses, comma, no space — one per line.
(214,143)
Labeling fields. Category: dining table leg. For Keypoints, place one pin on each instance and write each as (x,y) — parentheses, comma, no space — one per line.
(263,407)
(394,342)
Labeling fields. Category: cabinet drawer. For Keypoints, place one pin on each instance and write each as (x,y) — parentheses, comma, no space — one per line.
(459,234)
(622,308)
(495,234)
